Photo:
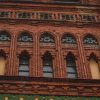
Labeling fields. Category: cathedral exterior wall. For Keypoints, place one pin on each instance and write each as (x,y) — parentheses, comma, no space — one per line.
(77,19)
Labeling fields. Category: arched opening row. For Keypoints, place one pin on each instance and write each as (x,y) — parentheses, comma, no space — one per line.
(46,37)
(48,67)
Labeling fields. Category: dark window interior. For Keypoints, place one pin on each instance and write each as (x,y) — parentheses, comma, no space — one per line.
(24,65)
(89,39)
(45,16)
(47,65)
(4,36)
(24,15)
(25,37)
(69,39)
(4,14)
(46,38)
(71,66)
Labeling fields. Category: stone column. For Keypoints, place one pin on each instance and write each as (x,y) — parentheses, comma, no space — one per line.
(37,57)
(12,56)
(60,58)
(83,73)
(33,58)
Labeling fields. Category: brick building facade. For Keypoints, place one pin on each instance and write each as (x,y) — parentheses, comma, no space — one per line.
(50,50)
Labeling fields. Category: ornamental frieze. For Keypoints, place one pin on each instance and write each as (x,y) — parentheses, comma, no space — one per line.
(71,87)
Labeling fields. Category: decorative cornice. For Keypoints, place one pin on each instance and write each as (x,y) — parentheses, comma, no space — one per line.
(46,6)
(52,86)
(53,23)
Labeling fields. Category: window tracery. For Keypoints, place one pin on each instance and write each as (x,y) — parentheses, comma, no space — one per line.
(89,39)
(69,39)
(46,38)
(4,36)
(25,37)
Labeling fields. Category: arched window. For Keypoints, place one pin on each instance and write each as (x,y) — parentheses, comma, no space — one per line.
(94,67)
(25,37)
(24,64)
(71,66)
(89,39)
(5,36)
(68,39)
(2,63)
(46,38)
(47,65)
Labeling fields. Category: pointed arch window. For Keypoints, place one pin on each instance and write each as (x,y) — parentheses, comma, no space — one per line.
(5,36)
(89,39)
(2,63)
(25,37)
(68,39)
(46,38)
(24,64)
(71,66)
(47,65)
(94,67)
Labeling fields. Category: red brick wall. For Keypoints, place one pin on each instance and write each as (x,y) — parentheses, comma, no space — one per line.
(94,2)
(58,53)
(79,30)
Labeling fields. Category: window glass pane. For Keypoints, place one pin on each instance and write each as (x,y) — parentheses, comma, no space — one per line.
(47,62)
(25,37)
(47,65)
(47,38)
(68,39)
(23,73)
(4,37)
(70,75)
(24,60)
(24,64)
(71,66)
(47,69)
(23,67)
(71,69)
(47,75)
(71,62)
(90,40)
